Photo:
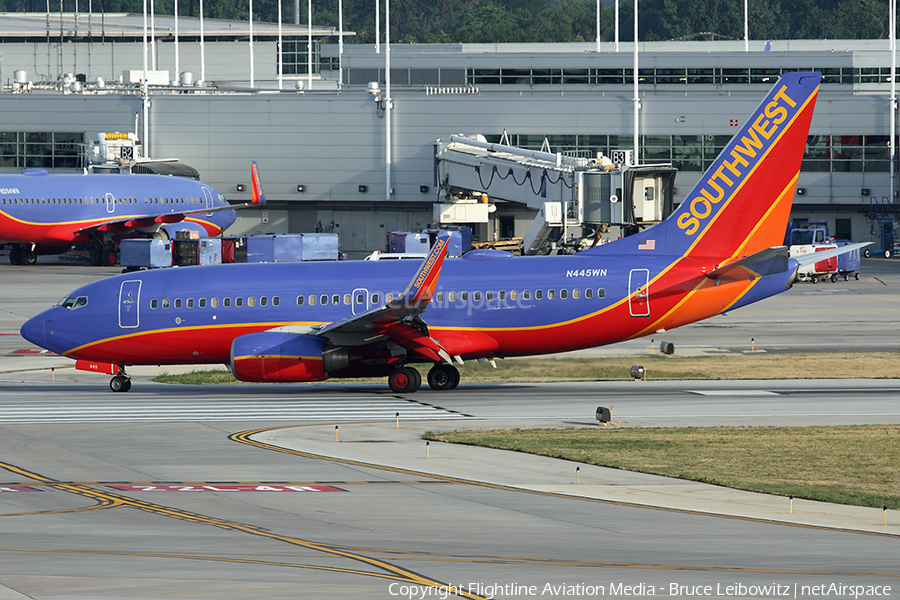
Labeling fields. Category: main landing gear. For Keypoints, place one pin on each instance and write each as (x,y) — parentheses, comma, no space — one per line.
(443,377)
(22,254)
(406,380)
(104,255)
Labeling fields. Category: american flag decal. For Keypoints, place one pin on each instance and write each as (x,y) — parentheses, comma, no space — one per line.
(647,245)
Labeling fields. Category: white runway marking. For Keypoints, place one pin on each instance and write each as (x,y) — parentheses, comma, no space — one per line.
(732,392)
(146,409)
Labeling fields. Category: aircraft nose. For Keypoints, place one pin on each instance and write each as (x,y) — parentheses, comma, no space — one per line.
(33,330)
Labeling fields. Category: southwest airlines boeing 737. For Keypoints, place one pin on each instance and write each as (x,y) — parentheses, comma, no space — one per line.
(299,322)
(49,214)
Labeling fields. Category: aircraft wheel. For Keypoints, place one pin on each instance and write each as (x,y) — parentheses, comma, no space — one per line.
(97,257)
(119,384)
(108,256)
(15,255)
(28,256)
(443,377)
(887,253)
(405,380)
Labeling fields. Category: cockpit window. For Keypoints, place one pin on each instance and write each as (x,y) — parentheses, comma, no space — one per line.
(73,302)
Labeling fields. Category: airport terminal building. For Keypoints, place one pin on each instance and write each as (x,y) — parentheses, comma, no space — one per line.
(331,161)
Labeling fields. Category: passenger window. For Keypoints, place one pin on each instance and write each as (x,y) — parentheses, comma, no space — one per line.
(489,295)
(226,302)
(361,299)
(276,301)
(551,294)
(439,297)
(576,293)
(588,293)
(374,298)
(347,299)
(526,294)
(312,300)
(514,295)
(388,297)
(464,296)
(238,302)
(451,296)
(165,303)
(251,301)
(214,302)
(601,293)
(476,296)
(263,300)
(153,303)
(323,299)
(190,303)
(299,300)
(538,294)
(563,294)
(501,295)
(336,299)
(177,302)
(202,303)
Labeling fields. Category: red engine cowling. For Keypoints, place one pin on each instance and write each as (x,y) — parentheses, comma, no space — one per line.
(277,356)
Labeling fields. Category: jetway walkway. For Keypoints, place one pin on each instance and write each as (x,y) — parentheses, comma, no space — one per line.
(567,192)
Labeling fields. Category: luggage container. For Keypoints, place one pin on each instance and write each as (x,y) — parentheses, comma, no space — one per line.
(848,263)
(319,246)
(455,243)
(292,247)
(234,250)
(145,254)
(209,251)
(186,252)
(405,241)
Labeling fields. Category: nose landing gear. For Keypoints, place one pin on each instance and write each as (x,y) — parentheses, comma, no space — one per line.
(120,382)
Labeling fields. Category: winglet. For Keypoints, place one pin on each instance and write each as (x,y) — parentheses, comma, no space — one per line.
(257,198)
(423,285)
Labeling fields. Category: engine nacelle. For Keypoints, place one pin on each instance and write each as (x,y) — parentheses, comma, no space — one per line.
(278,356)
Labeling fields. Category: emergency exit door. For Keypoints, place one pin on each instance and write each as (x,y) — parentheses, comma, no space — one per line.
(129,303)
(639,293)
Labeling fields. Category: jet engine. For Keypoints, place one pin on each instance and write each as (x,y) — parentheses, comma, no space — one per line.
(278,356)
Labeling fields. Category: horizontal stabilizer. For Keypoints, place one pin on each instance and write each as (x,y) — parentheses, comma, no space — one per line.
(814,257)
(765,262)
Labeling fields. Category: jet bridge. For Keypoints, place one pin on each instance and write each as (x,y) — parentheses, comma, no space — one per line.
(567,192)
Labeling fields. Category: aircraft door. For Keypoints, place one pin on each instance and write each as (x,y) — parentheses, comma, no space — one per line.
(110,202)
(129,304)
(360,301)
(207,198)
(639,292)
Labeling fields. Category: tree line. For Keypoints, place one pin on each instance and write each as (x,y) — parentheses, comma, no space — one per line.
(499,21)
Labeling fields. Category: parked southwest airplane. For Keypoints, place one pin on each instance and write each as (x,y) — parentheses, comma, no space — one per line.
(296,322)
(49,214)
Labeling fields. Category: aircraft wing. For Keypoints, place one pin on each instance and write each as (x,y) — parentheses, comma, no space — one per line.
(398,320)
(137,221)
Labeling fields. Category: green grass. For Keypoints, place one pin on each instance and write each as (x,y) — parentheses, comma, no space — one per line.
(872,365)
(857,465)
